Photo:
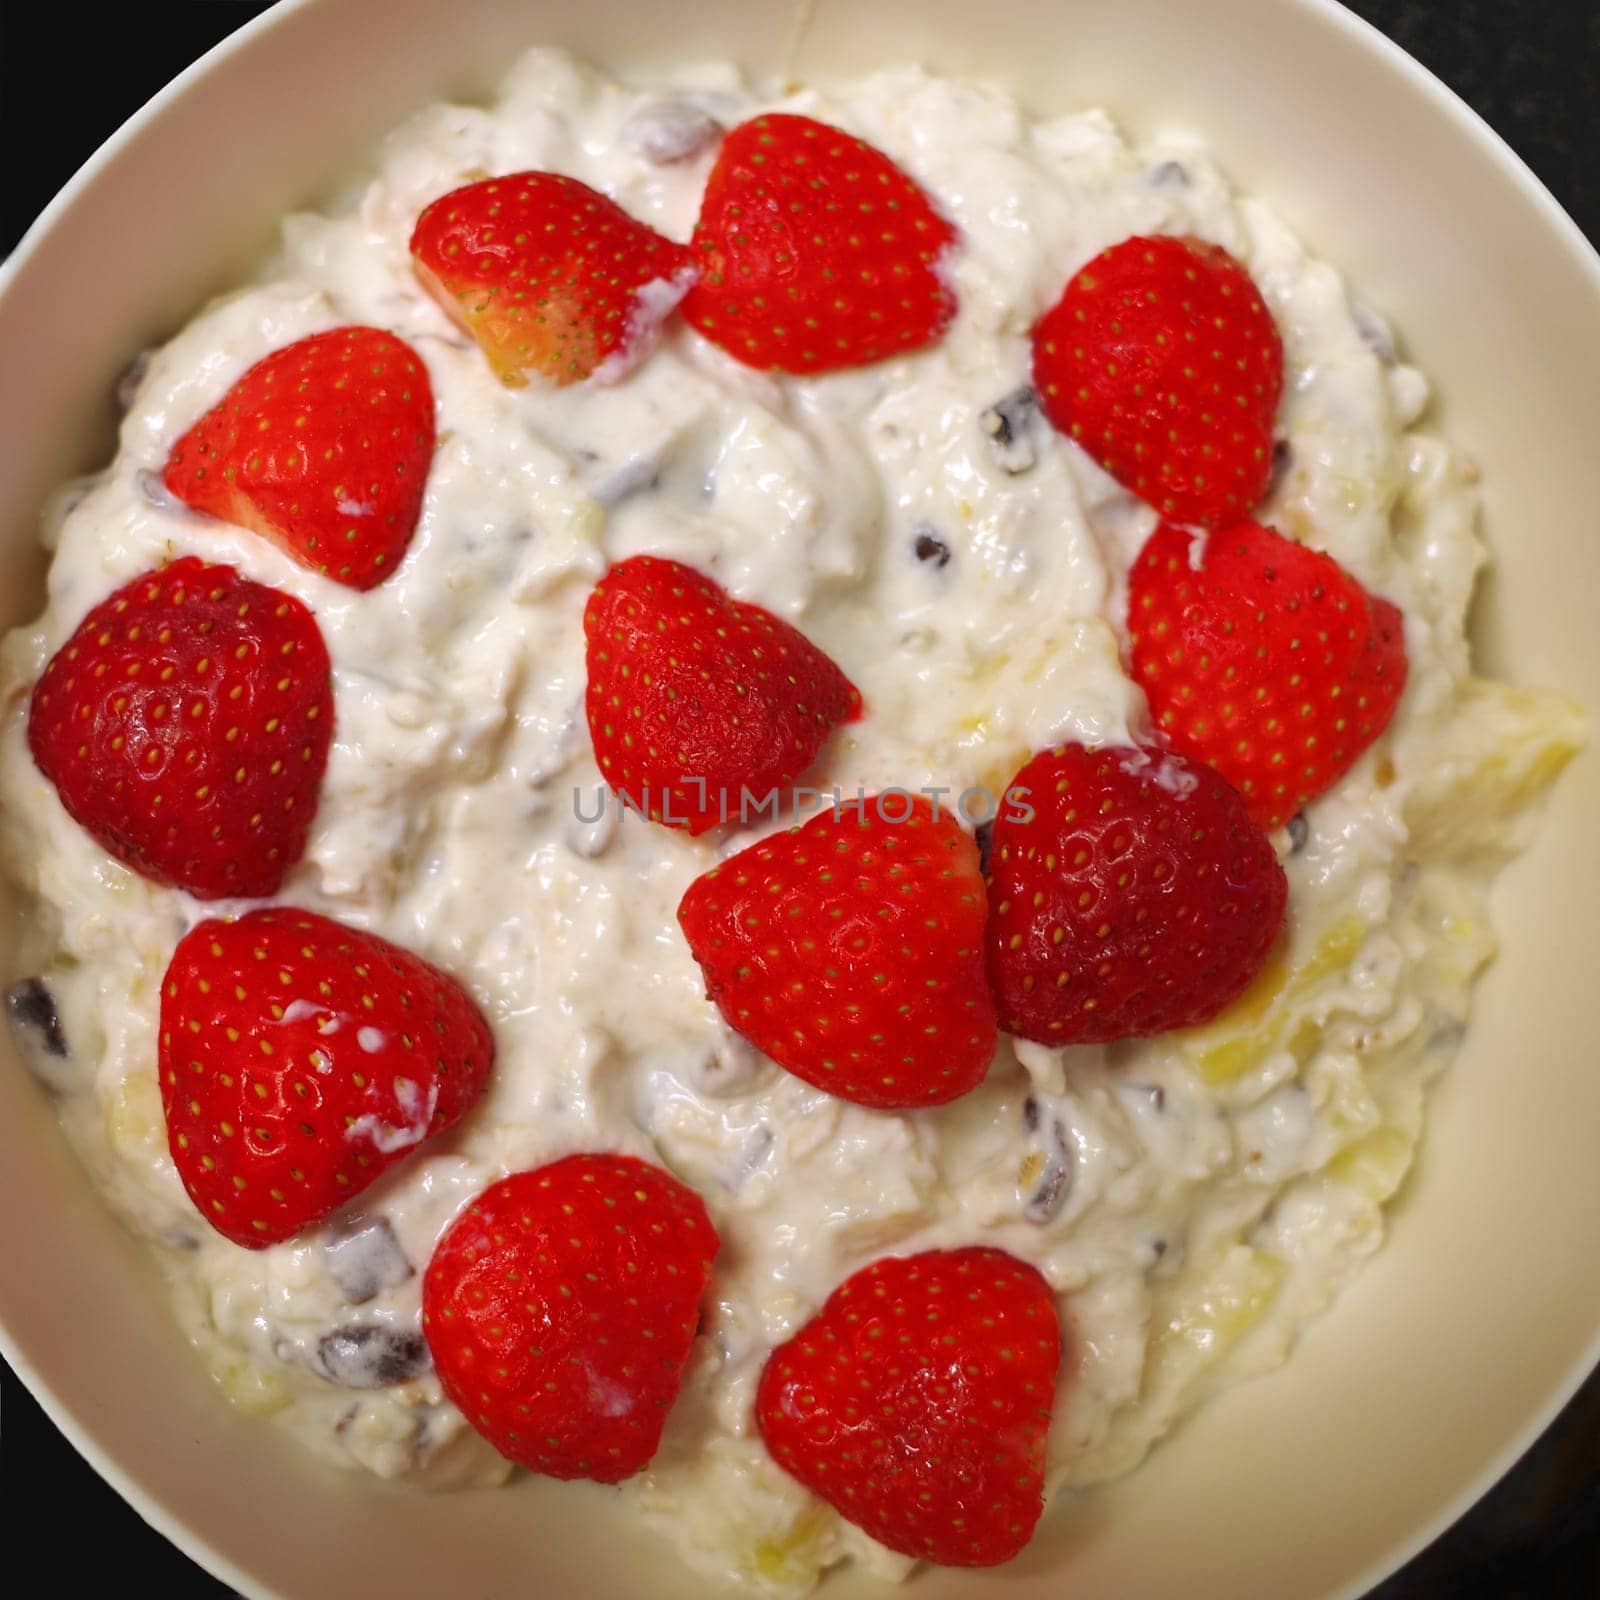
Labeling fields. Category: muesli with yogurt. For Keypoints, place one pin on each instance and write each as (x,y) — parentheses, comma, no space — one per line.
(1023,488)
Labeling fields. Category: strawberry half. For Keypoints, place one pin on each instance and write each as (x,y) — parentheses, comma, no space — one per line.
(694,696)
(185,725)
(549,276)
(851,951)
(300,1059)
(816,251)
(1138,896)
(561,1307)
(1265,659)
(916,1403)
(323,447)
(1162,360)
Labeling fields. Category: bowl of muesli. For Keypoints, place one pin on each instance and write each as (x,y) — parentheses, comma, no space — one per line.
(768,773)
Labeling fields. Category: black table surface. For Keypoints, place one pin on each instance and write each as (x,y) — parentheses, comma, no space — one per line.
(1531,69)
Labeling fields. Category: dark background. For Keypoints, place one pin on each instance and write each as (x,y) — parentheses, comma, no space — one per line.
(70,75)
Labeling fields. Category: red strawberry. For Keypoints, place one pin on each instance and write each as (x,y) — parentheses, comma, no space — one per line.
(1264,658)
(916,1403)
(851,951)
(1138,896)
(548,275)
(185,725)
(694,695)
(1163,362)
(300,1059)
(816,251)
(323,448)
(561,1307)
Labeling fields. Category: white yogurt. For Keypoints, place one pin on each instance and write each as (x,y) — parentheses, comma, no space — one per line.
(1193,1198)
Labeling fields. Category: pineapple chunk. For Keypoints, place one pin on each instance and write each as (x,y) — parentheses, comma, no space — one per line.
(1490,762)
(792,1559)
(253,1389)
(1461,941)
(1233,1301)
(1375,1166)
(1340,1087)
(135,1121)
(1258,1022)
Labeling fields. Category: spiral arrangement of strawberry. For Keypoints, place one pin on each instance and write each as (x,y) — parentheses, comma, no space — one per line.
(696,700)
(321,447)
(186,725)
(550,277)
(1264,658)
(1162,360)
(850,950)
(1137,896)
(816,251)
(299,1060)
(917,1400)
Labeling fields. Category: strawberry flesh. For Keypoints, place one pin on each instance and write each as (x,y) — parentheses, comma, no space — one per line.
(850,950)
(300,1060)
(694,697)
(1162,360)
(917,1401)
(185,725)
(1264,658)
(323,448)
(816,251)
(549,276)
(1137,897)
(561,1308)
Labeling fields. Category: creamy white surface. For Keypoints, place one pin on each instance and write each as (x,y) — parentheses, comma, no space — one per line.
(1222,1186)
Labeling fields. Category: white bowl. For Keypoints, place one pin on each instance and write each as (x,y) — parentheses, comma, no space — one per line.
(1463,1338)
